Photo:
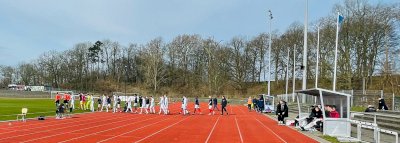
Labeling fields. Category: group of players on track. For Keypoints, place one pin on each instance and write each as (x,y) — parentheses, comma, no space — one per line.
(133,104)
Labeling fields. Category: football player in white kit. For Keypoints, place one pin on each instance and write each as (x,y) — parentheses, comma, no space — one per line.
(115,103)
(144,106)
(166,111)
(129,105)
(161,104)
(184,105)
(104,105)
(152,104)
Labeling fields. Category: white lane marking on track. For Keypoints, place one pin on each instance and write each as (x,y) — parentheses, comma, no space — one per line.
(57,129)
(209,135)
(133,130)
(96,133)
(240,134)
(161,130)
(79,130)
(39,124)
(270,130)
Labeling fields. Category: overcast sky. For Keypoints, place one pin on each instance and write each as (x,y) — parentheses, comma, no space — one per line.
(29,28)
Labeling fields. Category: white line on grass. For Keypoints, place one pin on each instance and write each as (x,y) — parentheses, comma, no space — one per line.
(161,130)
(270,130)
(209,135)
(240,134)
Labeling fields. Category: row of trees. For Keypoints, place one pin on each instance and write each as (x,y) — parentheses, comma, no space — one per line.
(193,64)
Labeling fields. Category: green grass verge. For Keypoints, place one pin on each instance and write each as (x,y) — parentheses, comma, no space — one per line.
(357,109)
(330,139)
(36,107)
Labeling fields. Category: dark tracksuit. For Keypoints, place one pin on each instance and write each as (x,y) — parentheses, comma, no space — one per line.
(282,112)
(261,105)
(382,105)
(140,101)
(223,105)
(215,103)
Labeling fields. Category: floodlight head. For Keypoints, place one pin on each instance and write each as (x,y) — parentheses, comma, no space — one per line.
(270,14)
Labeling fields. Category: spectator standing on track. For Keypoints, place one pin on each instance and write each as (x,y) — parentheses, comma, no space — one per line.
(260,104)
(224,102)
(57,100)
(215,103)
(152,104)
(210,106)
(161,102)
(99,104)
(197,105)
(382,104)
(249,103)
(255,102)
(282,112)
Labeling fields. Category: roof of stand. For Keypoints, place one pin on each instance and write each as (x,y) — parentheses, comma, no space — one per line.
(325,92)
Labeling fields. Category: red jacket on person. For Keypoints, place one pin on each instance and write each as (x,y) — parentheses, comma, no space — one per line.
(334,114)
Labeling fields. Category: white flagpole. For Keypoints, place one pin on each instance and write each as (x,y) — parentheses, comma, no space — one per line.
(294,72)
(316,67)
(287,74)
(336,49)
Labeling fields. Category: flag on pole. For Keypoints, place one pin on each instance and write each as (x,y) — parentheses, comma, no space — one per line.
(340,20)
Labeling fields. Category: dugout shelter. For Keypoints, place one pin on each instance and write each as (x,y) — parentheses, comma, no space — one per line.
(339,127)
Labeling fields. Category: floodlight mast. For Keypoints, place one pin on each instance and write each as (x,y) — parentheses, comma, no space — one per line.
(304,87)
(269,52)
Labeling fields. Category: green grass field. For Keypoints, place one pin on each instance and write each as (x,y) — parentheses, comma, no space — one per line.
(36,107)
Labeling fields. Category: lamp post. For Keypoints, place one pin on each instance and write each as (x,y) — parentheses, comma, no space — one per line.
(304,87)
(269,52)
(305,48)
(126,78)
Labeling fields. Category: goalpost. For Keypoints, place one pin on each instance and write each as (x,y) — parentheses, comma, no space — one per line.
(124,96)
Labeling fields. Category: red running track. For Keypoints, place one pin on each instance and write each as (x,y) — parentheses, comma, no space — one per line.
(239,126)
